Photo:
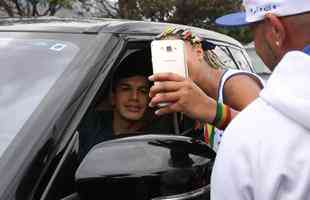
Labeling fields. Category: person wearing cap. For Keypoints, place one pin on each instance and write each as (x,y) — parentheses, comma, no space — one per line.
(220,94)
(129,99)
(264,151)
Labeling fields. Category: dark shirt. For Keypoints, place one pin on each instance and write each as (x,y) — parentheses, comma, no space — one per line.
(95,127)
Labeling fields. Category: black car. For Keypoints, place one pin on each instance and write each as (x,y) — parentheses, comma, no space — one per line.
(52,71)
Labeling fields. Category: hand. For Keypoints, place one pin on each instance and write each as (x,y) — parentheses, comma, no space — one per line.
(183,95)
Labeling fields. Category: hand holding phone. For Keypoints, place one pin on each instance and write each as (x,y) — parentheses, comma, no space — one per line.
(169,56)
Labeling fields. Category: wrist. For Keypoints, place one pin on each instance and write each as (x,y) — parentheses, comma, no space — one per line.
(207,110)
(223,116)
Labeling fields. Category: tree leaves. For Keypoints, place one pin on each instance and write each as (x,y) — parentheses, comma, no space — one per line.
(32,8)
(199,13)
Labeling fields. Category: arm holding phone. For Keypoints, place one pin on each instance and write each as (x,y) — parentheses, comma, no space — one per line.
(184,96)
(206,71)
(197,95)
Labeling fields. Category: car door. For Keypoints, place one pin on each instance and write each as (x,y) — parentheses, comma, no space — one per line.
(61,183)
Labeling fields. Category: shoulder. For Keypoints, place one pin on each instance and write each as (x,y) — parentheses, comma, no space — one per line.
(262,144)
(258,116)
(248,124)
(240,88)
(242,77)
(261,128)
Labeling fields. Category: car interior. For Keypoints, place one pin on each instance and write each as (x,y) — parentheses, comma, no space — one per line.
(175,123)
(102,102)
(171,124)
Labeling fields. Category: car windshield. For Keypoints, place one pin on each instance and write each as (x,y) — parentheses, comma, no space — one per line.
(29,68)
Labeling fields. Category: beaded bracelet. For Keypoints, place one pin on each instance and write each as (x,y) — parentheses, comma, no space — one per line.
(223,116)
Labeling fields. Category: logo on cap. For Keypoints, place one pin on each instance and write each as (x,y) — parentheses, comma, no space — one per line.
(263,8)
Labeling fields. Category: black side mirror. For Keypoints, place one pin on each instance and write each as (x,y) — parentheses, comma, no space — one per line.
(145,167)
(74,196)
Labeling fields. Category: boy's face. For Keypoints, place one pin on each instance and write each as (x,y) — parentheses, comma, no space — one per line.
(131,97)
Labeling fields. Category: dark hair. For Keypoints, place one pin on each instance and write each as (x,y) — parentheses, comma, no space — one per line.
(135,64)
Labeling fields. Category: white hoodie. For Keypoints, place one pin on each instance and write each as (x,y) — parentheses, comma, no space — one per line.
(265,151)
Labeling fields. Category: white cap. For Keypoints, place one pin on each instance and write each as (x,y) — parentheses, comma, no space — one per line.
(255,10)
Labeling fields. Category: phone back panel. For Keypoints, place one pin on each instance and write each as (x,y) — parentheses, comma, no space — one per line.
(169,56)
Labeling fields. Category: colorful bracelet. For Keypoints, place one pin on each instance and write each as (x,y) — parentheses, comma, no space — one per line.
(209,133)
(223,116)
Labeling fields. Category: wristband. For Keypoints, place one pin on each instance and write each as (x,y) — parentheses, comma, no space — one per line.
(209,133)
(223,116)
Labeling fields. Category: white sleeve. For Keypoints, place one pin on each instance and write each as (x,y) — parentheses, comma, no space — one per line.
(231,176)
(262,157)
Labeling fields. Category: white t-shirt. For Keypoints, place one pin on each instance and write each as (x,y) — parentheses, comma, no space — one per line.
(264,153)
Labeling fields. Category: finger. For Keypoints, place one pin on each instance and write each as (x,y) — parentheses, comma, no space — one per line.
(170,108)
(167,86)
(168,76)
(164,110)
(164,97)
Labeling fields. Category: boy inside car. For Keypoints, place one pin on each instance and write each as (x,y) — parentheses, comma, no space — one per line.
(129,105)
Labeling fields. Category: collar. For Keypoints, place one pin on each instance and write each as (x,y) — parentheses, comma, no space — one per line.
(307,49)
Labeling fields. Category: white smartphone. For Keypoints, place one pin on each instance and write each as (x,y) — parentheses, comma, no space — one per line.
(169,56)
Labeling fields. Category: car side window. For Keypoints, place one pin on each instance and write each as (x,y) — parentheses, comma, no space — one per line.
(240,59)
(225,58)
(120,100)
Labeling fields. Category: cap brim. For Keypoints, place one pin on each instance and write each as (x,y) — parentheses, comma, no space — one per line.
(232,20)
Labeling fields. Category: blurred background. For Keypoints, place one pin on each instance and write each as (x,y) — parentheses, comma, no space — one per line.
(258,64)
(199,13)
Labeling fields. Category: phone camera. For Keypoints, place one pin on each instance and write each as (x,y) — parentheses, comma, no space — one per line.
(169,48)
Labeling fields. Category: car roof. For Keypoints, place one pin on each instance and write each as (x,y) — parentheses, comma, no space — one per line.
(101,25)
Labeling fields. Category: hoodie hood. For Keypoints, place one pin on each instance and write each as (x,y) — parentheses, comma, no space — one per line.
(288,88)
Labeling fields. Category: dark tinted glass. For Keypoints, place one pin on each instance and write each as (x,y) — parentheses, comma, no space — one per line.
(29,68)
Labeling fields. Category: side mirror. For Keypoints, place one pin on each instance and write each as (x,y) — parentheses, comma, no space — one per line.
(74,196)
(145,167)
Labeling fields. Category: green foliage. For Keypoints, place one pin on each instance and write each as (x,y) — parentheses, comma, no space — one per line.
(31,8)
(199,13)
(63,3)
(242,34)
(156,10)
